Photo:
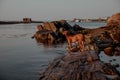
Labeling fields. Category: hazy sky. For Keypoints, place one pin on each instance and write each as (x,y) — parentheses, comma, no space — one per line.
(57,9)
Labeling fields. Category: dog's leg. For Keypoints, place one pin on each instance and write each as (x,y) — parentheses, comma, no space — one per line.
(80,46)
(69,44)
(83,46)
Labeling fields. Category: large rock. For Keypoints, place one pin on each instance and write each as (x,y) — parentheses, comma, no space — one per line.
(79,66)
(114,20)
(51,31)
(39,27)
(107,38)
(86,65)
(46,26)
(113,24)
(53,27)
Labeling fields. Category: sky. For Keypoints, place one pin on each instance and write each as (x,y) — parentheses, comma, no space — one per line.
(57,9)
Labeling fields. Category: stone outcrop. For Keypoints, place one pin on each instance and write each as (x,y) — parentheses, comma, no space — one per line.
(39,27)
(86,65)
(114,20)
(106,38)
(52,31)
(79,66)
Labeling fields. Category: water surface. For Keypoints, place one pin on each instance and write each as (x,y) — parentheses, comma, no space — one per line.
(22,58)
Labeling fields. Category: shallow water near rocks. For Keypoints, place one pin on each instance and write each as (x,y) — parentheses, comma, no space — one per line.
(22,58)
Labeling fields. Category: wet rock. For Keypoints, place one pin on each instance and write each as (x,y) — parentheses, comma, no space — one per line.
(53,27)
(79,66)
(114,20)
(105,42)
(40,27)
(114,59)
(105,38)
(116,65)
(73,49)
(114,24)
(51,31)
(46,26)
(110,60)
(109,51)
(86,65)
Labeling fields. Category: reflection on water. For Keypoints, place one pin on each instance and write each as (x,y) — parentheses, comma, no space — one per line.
(48,43)
(14,36)
(16,31)
(21,58)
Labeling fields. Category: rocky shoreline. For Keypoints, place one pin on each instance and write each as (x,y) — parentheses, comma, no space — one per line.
(80,66)
(85,65)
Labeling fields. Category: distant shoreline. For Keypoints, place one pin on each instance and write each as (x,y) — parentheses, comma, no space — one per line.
(18,22)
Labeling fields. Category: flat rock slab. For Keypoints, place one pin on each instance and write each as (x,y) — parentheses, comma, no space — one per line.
(79,66)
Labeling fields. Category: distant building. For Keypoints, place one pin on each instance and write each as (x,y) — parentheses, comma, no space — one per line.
(27,20)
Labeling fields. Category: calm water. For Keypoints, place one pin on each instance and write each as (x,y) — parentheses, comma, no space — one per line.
(21,58)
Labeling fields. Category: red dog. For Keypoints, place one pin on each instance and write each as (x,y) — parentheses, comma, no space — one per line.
(74,38)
